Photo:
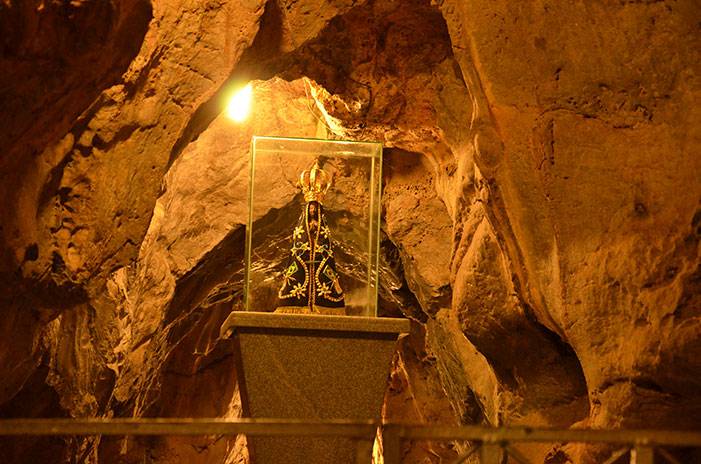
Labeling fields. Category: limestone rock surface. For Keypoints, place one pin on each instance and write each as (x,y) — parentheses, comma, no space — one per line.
(541,207)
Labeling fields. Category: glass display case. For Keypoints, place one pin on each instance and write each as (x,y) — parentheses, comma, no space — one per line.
(313,226)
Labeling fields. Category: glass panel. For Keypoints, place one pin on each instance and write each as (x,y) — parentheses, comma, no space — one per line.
(313,231)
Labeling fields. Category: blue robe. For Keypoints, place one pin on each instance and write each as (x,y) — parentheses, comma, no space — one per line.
(310,283)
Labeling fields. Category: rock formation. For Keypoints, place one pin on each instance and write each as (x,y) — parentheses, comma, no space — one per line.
(541,207)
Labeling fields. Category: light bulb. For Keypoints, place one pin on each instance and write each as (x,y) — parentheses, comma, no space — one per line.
(239,105)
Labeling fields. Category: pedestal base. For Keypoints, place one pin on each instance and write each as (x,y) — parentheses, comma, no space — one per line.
(312,367)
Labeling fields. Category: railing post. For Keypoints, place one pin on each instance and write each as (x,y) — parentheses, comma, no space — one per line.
(392,444)
(642,455)
(490,453)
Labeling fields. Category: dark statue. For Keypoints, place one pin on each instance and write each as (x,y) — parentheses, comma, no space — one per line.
(310,282)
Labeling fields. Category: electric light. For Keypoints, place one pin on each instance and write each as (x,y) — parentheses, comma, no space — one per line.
(239,105)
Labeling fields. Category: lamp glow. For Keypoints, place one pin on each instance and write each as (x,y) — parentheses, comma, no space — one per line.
(239,105)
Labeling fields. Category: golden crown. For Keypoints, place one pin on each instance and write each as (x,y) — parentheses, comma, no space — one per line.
(314,182)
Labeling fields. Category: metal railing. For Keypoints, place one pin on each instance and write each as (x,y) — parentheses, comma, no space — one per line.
(491,444)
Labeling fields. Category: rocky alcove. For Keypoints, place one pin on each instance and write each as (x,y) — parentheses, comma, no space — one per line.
(541,207)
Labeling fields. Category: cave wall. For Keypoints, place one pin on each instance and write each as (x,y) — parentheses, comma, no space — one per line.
(590,141)
(540,206)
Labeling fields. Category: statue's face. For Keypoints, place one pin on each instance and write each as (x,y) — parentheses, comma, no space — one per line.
(312,210)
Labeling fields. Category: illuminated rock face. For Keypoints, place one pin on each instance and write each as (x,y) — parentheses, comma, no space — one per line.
(541,206)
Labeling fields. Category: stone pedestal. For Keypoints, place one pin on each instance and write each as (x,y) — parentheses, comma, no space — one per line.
(312,367)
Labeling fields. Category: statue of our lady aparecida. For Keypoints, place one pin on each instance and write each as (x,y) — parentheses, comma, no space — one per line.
(310,283)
